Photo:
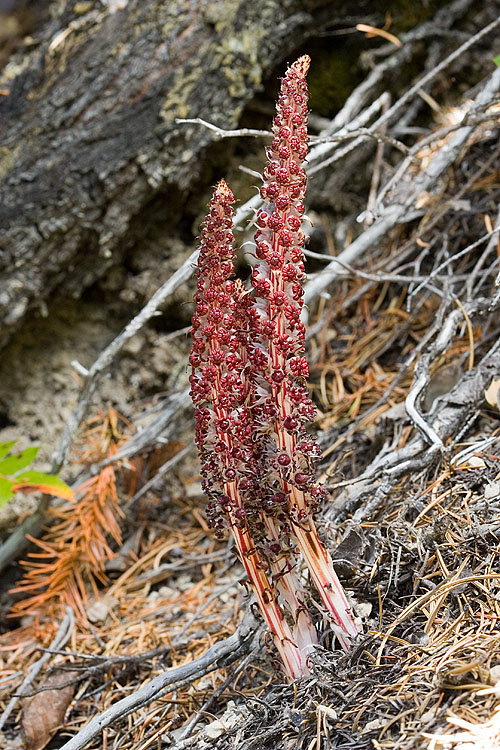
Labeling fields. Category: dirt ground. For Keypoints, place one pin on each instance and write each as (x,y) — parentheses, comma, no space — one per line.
(405,367)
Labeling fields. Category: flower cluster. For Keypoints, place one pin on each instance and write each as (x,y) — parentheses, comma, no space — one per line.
(277,280)
(221,393)
(279,332)
(248,385)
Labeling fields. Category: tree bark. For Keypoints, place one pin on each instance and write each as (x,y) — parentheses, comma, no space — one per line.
(89,133)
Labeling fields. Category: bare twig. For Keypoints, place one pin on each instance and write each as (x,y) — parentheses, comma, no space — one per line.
(376,172)
(454,411)
(222,653)
(189,728)
(492,243)
(457,256)
(380,138)
(415,393)
(60,639)
(330,141)
(419,85)
(401,208)
(443,20)
(220,132)
(381,277)
(164,468)
(146,437)
(422,369)
(104,663)
(106,357)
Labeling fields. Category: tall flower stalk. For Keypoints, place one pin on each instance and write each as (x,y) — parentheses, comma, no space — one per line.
(248,388)
(279,337)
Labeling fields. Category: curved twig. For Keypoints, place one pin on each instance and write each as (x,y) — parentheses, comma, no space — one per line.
(221,653)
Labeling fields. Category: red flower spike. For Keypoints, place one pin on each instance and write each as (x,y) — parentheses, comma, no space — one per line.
(224,438)
(251,403)
(282,304)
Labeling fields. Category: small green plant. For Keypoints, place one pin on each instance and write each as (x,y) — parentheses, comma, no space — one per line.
(15,475)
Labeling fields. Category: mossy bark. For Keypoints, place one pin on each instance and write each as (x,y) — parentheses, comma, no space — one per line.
(88,131)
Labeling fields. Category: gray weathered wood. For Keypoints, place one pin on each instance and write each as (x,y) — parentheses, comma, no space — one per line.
(88,133)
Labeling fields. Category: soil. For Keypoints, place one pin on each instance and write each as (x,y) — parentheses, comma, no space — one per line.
(414,529)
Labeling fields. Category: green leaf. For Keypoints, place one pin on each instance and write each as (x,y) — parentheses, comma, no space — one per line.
(48,483)
(18,462)
(496,60)
(6,491)
(6,447)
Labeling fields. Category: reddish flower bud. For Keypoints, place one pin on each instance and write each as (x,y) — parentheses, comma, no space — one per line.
(301,478)
(275,222)
(285,238)
(275,260)
(283,176)
(290,423)
(278,376)
(290,272)
(280,498)
(299,367)
(279,298)
(282,202)
(217,356)
(215,315)
(273,190)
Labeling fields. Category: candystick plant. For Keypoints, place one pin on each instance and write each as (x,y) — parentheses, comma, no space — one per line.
(252,405)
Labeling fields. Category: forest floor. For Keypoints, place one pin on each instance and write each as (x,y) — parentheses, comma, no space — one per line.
(130,583)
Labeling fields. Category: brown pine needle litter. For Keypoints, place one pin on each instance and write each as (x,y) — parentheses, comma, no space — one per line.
(401,354)
(425,567)
(74,552)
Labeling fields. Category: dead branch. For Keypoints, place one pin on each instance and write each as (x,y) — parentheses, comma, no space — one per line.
(222,653)
(447,421)
(101,664)
(401,207)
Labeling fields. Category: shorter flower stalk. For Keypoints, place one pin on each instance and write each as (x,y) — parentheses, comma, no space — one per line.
(248,385)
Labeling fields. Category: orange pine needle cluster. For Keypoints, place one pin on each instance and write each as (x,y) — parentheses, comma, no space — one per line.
(71,558)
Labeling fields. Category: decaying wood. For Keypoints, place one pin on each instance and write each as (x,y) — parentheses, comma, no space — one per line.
(89,133)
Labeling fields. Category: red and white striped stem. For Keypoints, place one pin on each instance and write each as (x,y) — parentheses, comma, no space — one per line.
(248,385)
